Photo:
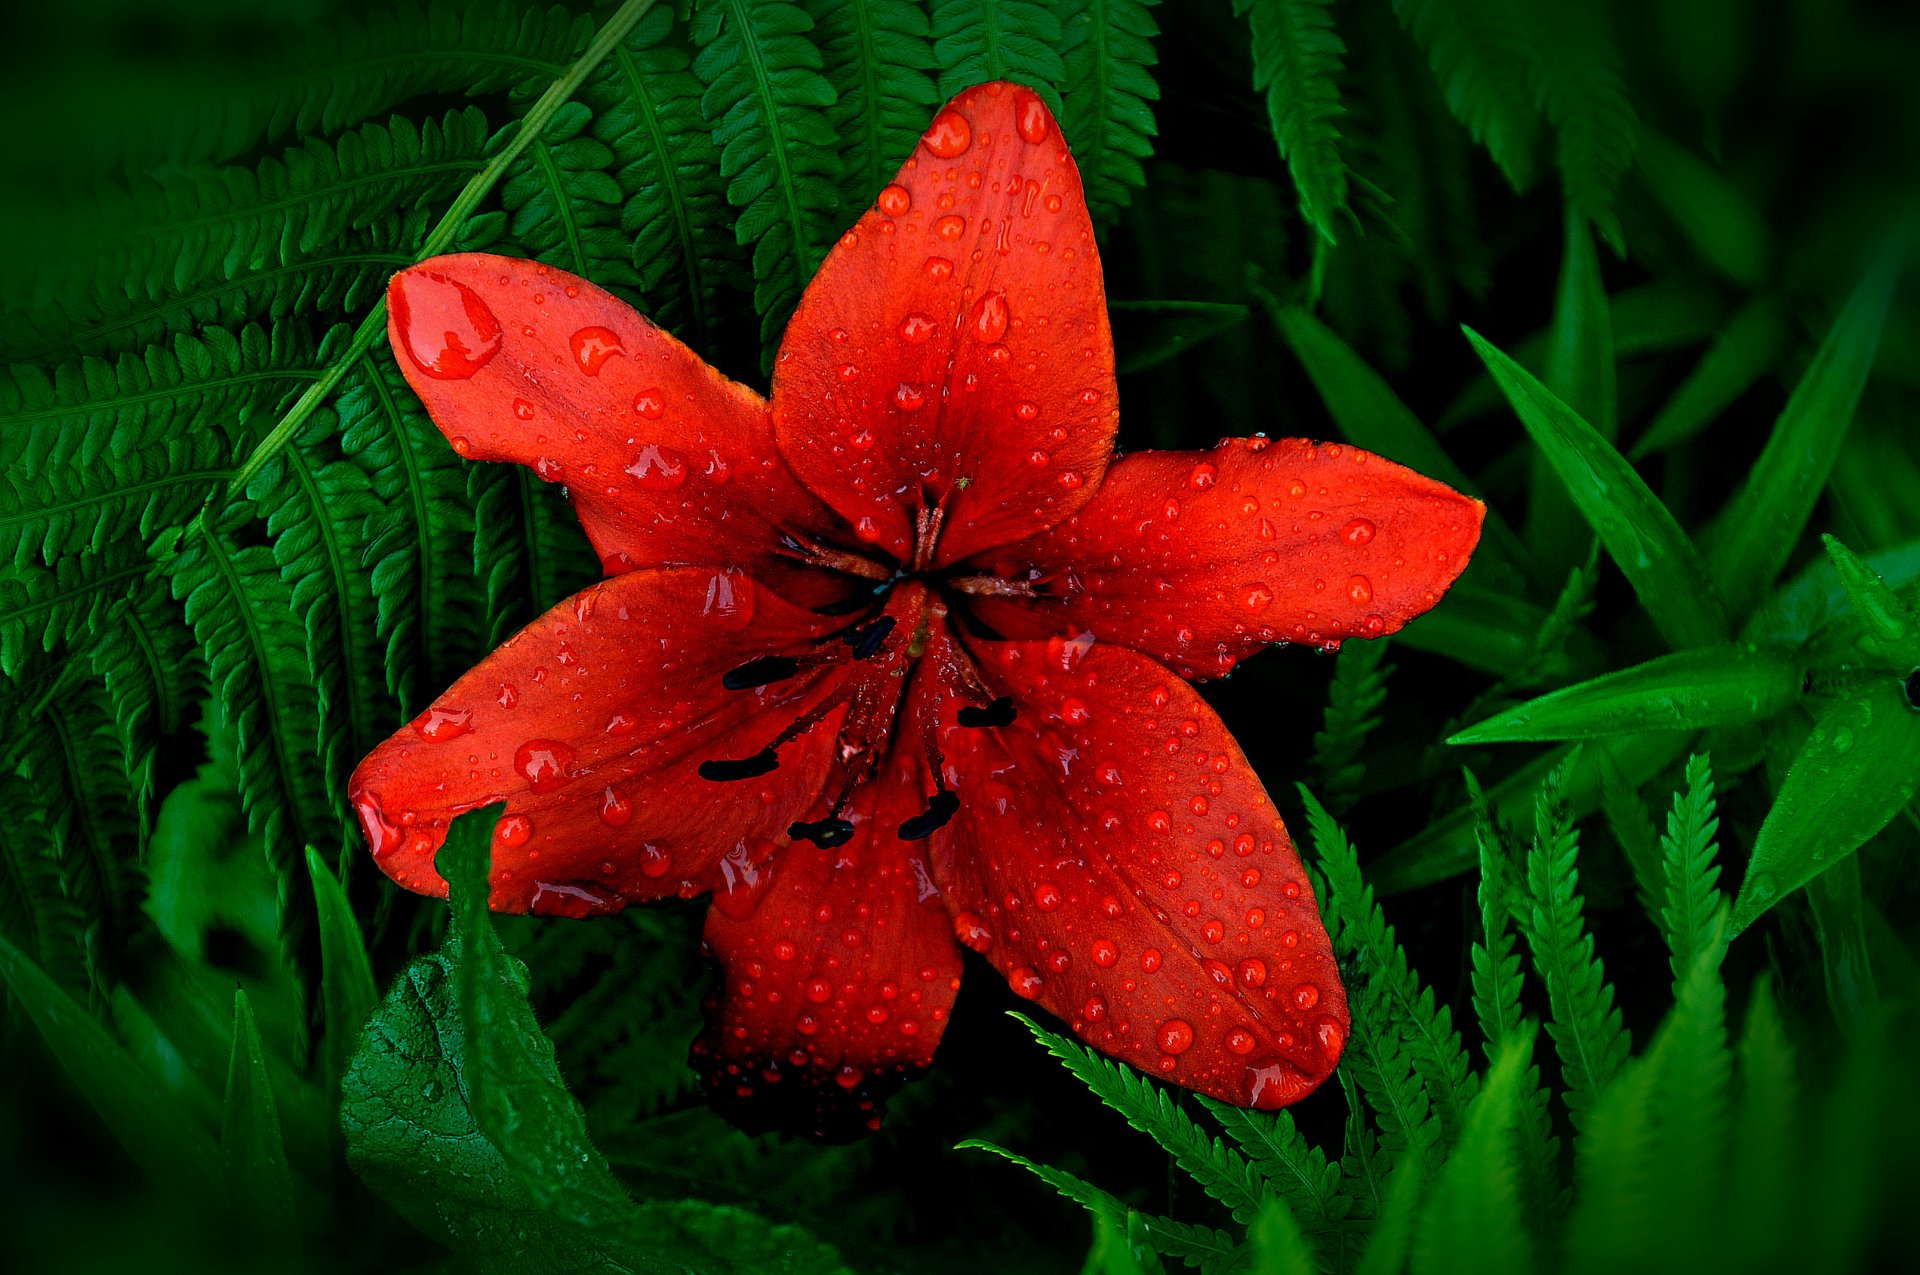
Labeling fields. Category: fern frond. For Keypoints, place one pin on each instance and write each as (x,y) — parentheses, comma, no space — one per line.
(1297,60)
(1584,1023)
(45,608)
(769,109)
(36,915)
(979,40)
(646,106)
(1766,1165)
(1473,1218)
(1354,697)
(1692,900)
(1364,1163)
(358,64)
(1291,1167)
(162,236)
(1222,1172)
(1548,657)
(1631,824)
(317,512)
(243,615)
(155,680)
(1392,995)
(1615,1209)
(1576,83)
(89,413)
(1383,1070)
(420,546)
(1692,1098)
(1478,52)
(72,509)
(1101,1204)
(879,55)
(563,205)
(1108,92)
(528,549)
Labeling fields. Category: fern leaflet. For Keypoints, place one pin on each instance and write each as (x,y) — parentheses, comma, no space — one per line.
(1479,54)
(562,203)
(879,55)
(979,40)
(1692,899)
(1291,1167)
(1354,697)
(1108,92)
(1575,79)
(1297,60)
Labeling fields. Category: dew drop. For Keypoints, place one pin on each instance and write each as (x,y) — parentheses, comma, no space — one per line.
(939,268)
(1106,954)
(949,135)
(1070,479)
(523,409)
(1046,896)
(1253,972)
(1357,532)
(909,397)
(650,404)
(615,811)
(1025,982)
(654,861)
(895,200)
(972,931)
(916,328)
(1239,1041)
(513,831)
(658,468)
(990,316)
(1150,959)
(950,227)
(438,725)
(1257,597)
(1030,116)
(446,329)
(1203,476)
(1360,589)
(544,763)
(592,347)
(1306,996)
(1025,410)
(1175,1036)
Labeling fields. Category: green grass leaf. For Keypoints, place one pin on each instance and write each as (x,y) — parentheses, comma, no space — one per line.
(1688,690)
(259,1182)
(1886,620)
(1743,352)
(1853,775)
(1639,534)
(1750,540)
(347,992)
(1723,225)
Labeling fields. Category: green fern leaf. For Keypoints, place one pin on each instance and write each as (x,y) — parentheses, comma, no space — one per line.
(979,40)
(563,204)
(243,615)
(879,55)
(647,108)
(155,680)
(1766,1167)
(1392,996)
(1576,83)
(1297,60)
(1692,898)
(162,237)
(317,512)
(1354,697)
(1291,1167)
(1222,1172)
(1108,92)
(1691,1102)
(1088,1196)
(36,915)
(1584,1024)
(1473,1219)
(769,109)
(420,547)
(74,509)
(1479,54)
(43,609)
(528,548)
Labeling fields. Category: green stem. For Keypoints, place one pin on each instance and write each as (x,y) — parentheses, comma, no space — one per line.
(477,189)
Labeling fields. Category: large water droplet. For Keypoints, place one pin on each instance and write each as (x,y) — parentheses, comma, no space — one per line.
(546,764)
(592,347)
(950,227)
(658,468)
(949,135)
(1357,532)
(990,316)
(1026,982)
(895,200)
(916,328)
(1030,116)
(438,725)
(444,326)
(1175,1036)
(513,831)
(615,810)
(1360,589)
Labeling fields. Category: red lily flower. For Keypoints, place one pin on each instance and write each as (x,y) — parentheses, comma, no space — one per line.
(894,662)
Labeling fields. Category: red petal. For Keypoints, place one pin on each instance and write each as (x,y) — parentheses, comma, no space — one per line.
(839,972)
(1200,558)
(954,346)
(667,461)
(590,724)
(1117,859)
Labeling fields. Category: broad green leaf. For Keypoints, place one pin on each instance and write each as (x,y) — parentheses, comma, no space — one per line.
(1638,532)
(1688,690)
(1750,540)
(1148,333)
(1580,372)
(1854,774)
(172,1150)
(1816,598)
(1888,623)
(258,1179)
(1839,922)
(452,1061)
(1743,352)
(1491,631)
(1723,225)
(347,990)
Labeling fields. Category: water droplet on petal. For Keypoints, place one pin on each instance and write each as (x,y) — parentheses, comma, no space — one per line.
(1030,116)
(990,316)
(1026,982)
(1105,953)
(654,861)
(1240,1041)
(1070,479)
(650,404)
(1360,589)
(513,831)
(895,200)
(916,328)
(1175,1036)
(1253,972)
(909,397)
(1258,597)
(444,326)
(1046,896)
(592,347)
(615,810)
(523,409)
(1150,959)
(1306,996)
(949,135)
(950,227)
(438,725)
(939,268)
(1357,532)
(1203,476)
(658,468)
(972,931)
(546,764)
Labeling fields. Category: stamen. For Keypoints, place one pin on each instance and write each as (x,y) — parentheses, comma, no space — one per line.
(866,639)
(998,713)
(833,559)
(726,770)
(825,833)
(993,586)
(763,671)
(941,807)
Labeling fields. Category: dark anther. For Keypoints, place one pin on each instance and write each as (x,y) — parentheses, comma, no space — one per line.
(998,713)
(723,770)
(760,672)
(1913,688)
(825,833)
(940,808)
(867,639)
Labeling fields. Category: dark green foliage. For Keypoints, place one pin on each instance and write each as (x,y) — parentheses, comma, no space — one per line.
(235,554)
